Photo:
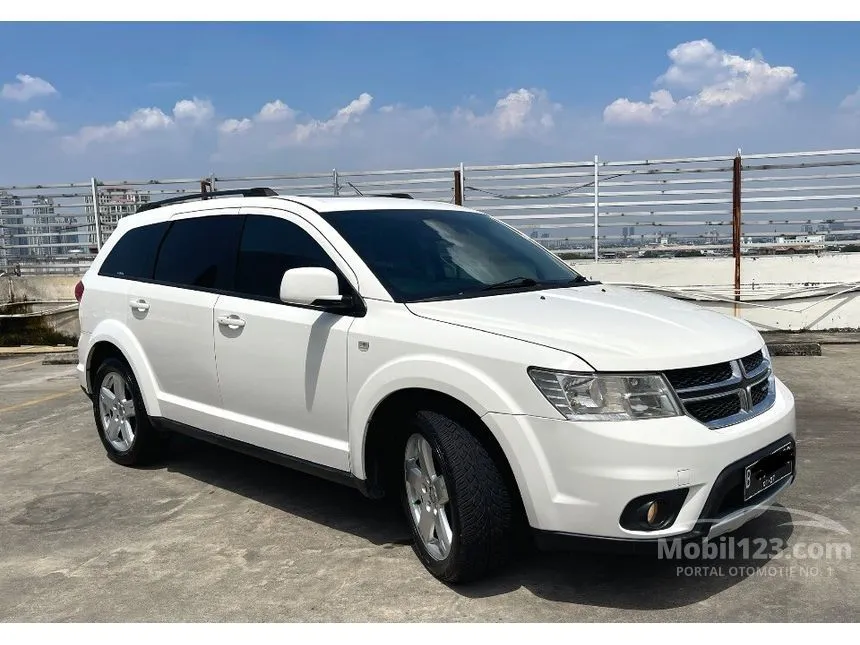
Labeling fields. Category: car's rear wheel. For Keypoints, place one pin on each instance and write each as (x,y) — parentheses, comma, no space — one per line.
(121,419)
(455,498)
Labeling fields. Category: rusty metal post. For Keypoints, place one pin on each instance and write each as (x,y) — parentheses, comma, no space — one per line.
(458,188)
(736,225)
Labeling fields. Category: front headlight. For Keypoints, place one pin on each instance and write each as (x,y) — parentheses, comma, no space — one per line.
(606,397)
(765,353)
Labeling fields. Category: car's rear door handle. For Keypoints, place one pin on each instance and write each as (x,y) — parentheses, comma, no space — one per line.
(232,321)
(139,304)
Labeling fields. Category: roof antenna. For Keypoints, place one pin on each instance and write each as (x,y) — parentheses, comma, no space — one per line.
(351,185)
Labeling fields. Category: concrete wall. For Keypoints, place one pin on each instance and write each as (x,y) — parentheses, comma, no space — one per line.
(51,320)
(766,284)
(38,287)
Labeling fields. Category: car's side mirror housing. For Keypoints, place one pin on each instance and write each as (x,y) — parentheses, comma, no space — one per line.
(312,286)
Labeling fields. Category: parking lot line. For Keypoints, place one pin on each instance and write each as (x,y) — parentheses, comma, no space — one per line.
(12,367)
(43,399)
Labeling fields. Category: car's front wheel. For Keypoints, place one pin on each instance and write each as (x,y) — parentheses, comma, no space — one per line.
(456,500)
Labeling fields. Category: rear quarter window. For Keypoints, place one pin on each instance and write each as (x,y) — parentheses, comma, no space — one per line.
(133,256)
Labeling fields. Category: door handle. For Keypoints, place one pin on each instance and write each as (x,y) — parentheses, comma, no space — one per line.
(140,305)
(232,321)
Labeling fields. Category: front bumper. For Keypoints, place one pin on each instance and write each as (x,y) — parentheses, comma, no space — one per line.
(724,511)
(575,479)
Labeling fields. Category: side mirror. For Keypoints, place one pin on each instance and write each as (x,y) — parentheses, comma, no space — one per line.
(312,286)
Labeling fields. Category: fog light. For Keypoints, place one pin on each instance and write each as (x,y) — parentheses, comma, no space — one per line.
(654,511)
(653,514)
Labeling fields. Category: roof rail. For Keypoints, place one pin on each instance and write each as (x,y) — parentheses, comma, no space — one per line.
(397,195)
(243,192)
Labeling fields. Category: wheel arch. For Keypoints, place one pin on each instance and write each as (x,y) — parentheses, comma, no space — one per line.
(378,454)
(113,339)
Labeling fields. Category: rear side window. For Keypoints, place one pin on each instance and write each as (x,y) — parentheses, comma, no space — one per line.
(200,252)
(133,256)
(270,246)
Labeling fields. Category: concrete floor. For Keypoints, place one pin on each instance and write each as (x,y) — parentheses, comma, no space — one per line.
(216,536)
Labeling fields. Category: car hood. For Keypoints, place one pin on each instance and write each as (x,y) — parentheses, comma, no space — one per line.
(611,328)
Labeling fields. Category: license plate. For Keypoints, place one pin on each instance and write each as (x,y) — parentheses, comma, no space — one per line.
(768,471)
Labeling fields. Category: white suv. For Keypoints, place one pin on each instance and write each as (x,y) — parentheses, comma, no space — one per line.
(432,352)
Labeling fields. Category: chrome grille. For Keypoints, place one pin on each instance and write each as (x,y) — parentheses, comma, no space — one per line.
(723,394)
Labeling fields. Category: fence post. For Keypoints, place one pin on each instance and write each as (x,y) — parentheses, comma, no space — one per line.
(458,187)
(596,209)
(94,187)
(335,188)
(462,183)
(736,225)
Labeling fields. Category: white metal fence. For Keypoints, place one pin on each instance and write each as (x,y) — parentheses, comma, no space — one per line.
(766,203)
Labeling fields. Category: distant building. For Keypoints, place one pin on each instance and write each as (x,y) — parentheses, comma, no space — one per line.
(114,204)
(11,221)
(800,239)
(40,230)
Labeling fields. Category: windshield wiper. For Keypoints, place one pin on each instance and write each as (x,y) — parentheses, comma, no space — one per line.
(581,281)
(519,281)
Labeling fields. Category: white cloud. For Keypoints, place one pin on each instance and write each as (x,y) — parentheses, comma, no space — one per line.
(851,102)
(626,111)
(142,120)
(235,126)
(27,87)
(521,111)
(37,121)
(707,79)
(194,110)
(511,111)
(275,111)
(344,116)
(277,125)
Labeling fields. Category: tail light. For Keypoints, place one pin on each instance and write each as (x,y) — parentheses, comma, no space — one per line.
(79,290)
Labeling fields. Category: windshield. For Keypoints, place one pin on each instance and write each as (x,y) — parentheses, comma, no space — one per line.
(439,254)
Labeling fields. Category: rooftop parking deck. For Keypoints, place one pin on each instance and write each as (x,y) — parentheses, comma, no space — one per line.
(210,535)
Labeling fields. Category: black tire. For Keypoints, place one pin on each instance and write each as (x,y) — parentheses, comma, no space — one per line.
(149,443)
(480,510)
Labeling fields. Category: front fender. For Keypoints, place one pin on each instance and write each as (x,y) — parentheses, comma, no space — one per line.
(118,335)
(459,380)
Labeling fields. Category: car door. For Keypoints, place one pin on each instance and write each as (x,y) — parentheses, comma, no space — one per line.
(282,368)
(171,316)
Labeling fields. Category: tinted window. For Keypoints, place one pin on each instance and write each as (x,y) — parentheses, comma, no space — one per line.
(200,252)
(270,246)
(419,254)
(133,256)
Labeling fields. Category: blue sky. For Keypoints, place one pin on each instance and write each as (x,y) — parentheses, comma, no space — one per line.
(104,99)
